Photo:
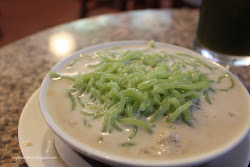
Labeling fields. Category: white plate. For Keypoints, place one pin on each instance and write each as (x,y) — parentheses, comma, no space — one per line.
(42,153)
(35,138)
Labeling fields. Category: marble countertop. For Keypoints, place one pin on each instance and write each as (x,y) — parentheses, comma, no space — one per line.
(24,63)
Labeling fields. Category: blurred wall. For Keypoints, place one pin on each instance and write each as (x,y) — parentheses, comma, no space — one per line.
(19,18)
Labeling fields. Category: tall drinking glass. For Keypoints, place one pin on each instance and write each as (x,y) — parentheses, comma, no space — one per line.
(223,32)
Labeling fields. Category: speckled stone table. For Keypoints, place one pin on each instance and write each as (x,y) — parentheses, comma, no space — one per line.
(23,64)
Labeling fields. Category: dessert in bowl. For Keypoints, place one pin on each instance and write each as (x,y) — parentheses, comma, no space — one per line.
(137,103)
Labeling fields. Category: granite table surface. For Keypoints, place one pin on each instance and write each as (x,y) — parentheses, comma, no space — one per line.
(24,63)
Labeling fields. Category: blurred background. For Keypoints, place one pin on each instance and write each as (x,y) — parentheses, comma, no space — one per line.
(20,18)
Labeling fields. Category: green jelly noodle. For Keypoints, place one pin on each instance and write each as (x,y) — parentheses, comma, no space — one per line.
(137,88)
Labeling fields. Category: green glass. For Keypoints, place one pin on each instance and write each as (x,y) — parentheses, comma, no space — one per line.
(223,32)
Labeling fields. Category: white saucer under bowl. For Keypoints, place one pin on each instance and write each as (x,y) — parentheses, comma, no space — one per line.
(37,144)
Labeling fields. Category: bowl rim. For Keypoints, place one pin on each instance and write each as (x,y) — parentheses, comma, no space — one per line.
(115,159)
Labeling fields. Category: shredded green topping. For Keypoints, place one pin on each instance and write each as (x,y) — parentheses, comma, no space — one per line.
(137,88)
(55,75)
(137,122)
(71,64)
(206,97)
(100,139)
(228,76)
(132,135)
(86,123)
(73,102)
(128,144)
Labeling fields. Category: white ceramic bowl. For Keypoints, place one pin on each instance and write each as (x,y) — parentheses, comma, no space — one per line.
(116,159)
